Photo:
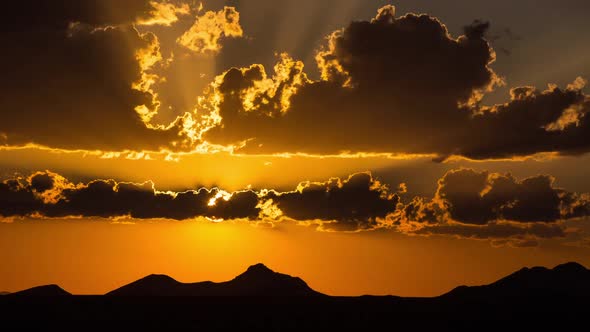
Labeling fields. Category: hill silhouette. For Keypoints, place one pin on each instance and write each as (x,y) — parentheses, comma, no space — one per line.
(258,280)
(535,298)
(47,290)
(570,279)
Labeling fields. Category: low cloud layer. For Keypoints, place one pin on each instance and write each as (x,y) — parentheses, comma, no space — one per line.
(348,204)
(467,204)
(484,205)
(477,198)
(46,194)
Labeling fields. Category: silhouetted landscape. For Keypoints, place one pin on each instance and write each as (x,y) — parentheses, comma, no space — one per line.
(433,149)
(258,280)
(263,299)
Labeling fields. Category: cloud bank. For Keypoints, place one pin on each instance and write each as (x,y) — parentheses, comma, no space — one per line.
(350,203)
(467,204)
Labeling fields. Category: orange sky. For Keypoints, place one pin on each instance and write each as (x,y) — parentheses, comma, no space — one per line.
(95,257)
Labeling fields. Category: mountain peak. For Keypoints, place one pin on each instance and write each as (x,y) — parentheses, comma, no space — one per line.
(261,273)
(153,284)
(158,278)
(260,280)
(259,268)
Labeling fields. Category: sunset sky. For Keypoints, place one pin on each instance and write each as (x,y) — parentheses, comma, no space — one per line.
(369,147)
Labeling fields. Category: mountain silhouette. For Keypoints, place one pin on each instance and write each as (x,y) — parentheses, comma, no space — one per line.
(48,290)
(570,279)
(260,299)
(258,280)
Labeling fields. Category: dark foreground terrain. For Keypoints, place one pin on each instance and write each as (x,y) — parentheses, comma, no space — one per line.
(261,299)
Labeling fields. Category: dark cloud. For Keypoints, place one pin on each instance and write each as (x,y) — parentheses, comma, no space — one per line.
(16,200)
(477,29)
(532,121)
(483,205)
(41,182)
(33,196)
(473,197)
(478,198)
(68,68)
(388,66)
(350,204)
(141,201)
(75,72)
(398,84)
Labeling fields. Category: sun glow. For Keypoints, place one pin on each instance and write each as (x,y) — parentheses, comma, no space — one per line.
(164,13)
(209,28)
(147,58)
(278,89)
(220,194)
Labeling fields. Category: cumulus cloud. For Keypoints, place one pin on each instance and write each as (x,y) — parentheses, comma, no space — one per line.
(478,198)
(499,207)
(372,96)
(398,84)
(473,197)
(346,204)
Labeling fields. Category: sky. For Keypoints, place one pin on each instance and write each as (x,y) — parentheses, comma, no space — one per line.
(368,147)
